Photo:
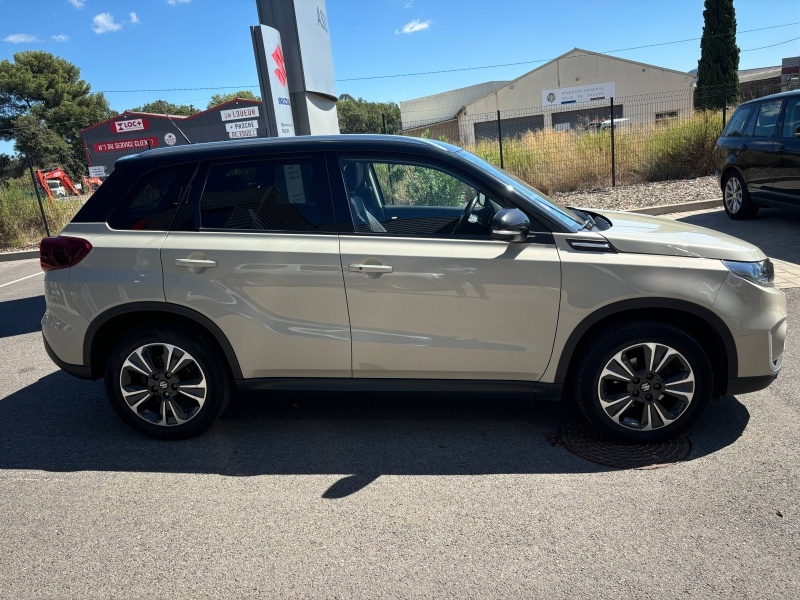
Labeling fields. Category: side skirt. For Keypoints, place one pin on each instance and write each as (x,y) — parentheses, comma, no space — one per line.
(453,387)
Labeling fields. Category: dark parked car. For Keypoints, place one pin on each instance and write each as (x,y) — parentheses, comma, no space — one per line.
(757,159)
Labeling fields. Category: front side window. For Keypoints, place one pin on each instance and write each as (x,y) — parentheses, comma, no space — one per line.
(735,126)
(766,118)
(398,198)
(791,122)
(266,195)
(151,203)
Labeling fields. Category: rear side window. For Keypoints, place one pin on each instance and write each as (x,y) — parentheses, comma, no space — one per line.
(791,121)
(736,125)
(766,118)
(103,201)
(151,203)
(267,195)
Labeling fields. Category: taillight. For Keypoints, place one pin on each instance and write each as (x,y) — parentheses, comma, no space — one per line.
(62,252)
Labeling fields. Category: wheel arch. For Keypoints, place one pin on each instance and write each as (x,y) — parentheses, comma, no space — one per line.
(703,324)
(727,170)
(108,327)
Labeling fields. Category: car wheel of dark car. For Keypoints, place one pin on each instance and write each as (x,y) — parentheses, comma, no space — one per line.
(166,383)
(643,382)
(736,198)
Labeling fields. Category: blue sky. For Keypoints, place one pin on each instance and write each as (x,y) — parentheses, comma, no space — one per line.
(167,44)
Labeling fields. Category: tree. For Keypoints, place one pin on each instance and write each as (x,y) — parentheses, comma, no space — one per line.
(159,107)
(719,56)
(218,99)
(43,106)
(362,116)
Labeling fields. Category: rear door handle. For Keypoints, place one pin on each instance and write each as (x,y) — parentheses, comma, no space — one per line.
(370,269)
(194,262)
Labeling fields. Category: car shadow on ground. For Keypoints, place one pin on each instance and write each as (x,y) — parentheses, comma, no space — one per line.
(21,316)
(62,424)
(771,230)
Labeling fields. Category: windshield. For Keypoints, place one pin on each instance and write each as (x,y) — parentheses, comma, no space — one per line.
(559,213)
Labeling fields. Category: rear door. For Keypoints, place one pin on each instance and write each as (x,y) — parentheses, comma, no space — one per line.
(256,250)
(430,295)
(787,181)
(757,156)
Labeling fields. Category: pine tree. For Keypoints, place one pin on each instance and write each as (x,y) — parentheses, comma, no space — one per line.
(719,56)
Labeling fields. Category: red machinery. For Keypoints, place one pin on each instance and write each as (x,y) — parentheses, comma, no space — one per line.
(56,183)
(91,183)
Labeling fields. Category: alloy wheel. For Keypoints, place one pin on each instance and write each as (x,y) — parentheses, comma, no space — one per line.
(733,195)
(646,386)
(163,384)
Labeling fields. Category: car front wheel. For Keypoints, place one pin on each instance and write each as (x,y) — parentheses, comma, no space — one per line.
(166,383)
(643,381)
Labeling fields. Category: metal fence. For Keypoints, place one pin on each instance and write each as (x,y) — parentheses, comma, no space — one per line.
(652,137)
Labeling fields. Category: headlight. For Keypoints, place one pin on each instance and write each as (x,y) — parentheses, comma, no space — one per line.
(762,273)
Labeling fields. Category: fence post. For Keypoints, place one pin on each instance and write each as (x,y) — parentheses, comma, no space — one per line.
(38,196)
(500,139)
(613,158)
(724,103)
(383,118)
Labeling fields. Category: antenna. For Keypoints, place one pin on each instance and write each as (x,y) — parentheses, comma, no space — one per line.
(166,114)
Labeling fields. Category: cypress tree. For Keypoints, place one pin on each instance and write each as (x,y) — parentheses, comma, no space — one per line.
(719,56)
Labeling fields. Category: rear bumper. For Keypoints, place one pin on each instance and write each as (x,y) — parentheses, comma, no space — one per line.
(746,385)
(79,371)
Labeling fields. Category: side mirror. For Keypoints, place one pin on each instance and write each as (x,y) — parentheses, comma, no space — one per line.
(510,225)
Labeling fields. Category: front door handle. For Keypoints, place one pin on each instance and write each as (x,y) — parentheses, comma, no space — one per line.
(370,269)
(195,262)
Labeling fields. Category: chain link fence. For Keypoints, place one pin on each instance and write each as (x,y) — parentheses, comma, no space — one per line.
(653,137)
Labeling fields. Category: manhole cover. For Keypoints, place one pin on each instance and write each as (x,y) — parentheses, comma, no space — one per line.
(582,439)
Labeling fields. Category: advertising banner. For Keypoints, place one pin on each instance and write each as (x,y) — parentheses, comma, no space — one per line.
(245,112)
(578,94)
(278,97)
(129,125)
(139,144)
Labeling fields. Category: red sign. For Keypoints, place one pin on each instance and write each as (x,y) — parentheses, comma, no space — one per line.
(129,125)
(280,72)
(140,144)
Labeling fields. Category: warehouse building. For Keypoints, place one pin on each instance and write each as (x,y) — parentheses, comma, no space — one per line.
(135,132)
(564,93)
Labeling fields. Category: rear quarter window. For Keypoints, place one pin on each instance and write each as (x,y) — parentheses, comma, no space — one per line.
(151,202)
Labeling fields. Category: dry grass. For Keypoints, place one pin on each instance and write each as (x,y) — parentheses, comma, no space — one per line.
(563,161)
(21,220)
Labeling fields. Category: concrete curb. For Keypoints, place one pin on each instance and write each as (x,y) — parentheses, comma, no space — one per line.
(677,208)
(24,255)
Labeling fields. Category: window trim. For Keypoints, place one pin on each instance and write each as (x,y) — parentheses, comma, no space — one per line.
(378,156)
(317,159)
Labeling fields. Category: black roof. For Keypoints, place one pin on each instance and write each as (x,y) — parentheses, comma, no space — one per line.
(297,144)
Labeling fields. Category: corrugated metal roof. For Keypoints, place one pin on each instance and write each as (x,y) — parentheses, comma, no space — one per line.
(746,75)
(446,105)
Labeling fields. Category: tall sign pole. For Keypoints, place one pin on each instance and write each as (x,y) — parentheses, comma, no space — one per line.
(302,26)
(272,78)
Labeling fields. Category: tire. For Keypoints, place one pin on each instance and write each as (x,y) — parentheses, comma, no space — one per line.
(736,198)
(180,406)
(622,351)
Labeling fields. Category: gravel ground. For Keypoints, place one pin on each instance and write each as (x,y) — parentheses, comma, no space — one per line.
(644,194)
(363,497)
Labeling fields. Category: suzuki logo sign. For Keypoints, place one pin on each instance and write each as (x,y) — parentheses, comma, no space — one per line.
(280,72)
(129,125)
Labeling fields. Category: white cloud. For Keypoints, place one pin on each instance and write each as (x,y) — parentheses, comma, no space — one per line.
(135,20)
(415,25)
(104,22)
(20,38)
(174,2)
(77,3)
(60,38)
(409,4)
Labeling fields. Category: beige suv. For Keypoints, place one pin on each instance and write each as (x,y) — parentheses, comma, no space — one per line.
(386,263)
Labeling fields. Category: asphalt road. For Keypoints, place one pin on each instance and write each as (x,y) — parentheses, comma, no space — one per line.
(366,497)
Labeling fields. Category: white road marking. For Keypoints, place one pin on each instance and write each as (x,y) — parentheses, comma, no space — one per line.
(21,279)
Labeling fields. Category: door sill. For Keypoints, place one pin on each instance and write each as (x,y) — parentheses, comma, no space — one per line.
(529,390)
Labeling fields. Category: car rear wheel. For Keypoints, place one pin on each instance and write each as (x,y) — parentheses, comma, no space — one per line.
(736,198)
(643,382)
(166,383)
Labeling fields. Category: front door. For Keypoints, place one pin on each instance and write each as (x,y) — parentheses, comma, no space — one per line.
(787,180)
(430,294)
(263,264)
